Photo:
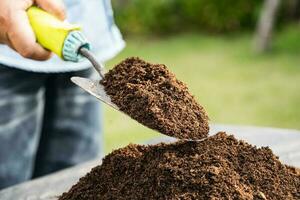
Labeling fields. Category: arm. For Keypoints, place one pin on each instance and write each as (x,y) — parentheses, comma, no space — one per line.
(15,29)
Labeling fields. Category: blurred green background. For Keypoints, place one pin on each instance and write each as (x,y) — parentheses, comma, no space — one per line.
(208,44)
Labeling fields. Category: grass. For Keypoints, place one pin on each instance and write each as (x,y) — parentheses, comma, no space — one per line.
(233,83)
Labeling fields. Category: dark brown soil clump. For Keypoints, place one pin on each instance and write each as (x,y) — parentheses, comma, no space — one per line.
(219,167)
(152,95)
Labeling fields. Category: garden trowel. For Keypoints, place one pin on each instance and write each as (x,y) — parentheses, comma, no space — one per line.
(68,42)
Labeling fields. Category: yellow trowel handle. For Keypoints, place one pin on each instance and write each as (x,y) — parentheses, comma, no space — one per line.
(50,32)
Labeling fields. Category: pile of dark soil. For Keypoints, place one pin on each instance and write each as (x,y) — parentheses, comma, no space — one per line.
(152,95)
(219,167)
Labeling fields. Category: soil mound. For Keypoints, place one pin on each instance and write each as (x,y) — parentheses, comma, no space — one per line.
(219,167)
(152,95)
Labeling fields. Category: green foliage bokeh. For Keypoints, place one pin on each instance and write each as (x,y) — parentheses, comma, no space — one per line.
(168,16)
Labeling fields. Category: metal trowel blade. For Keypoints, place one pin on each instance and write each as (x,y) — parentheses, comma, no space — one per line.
(94,88)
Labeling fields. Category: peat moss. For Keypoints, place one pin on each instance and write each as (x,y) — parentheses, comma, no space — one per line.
(152,95)
(219,167)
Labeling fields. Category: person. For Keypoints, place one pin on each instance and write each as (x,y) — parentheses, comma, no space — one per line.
(46,122)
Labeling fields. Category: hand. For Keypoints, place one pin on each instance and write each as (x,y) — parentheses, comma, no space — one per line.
(15,29)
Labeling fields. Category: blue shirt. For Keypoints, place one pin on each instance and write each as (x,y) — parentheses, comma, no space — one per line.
(96,19)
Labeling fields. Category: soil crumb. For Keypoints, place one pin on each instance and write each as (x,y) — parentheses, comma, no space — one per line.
(220,167)
(151,94)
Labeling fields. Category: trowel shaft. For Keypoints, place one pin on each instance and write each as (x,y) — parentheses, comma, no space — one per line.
(88,54)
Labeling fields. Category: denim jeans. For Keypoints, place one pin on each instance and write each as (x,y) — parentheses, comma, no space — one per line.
(46,124)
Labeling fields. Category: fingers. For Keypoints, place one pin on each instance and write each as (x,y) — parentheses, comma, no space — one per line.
(3,37)
(21,38)
(55,7)
(17,32)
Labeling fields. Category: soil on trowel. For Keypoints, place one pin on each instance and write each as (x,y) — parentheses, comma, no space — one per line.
(220,167)
(152,95)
